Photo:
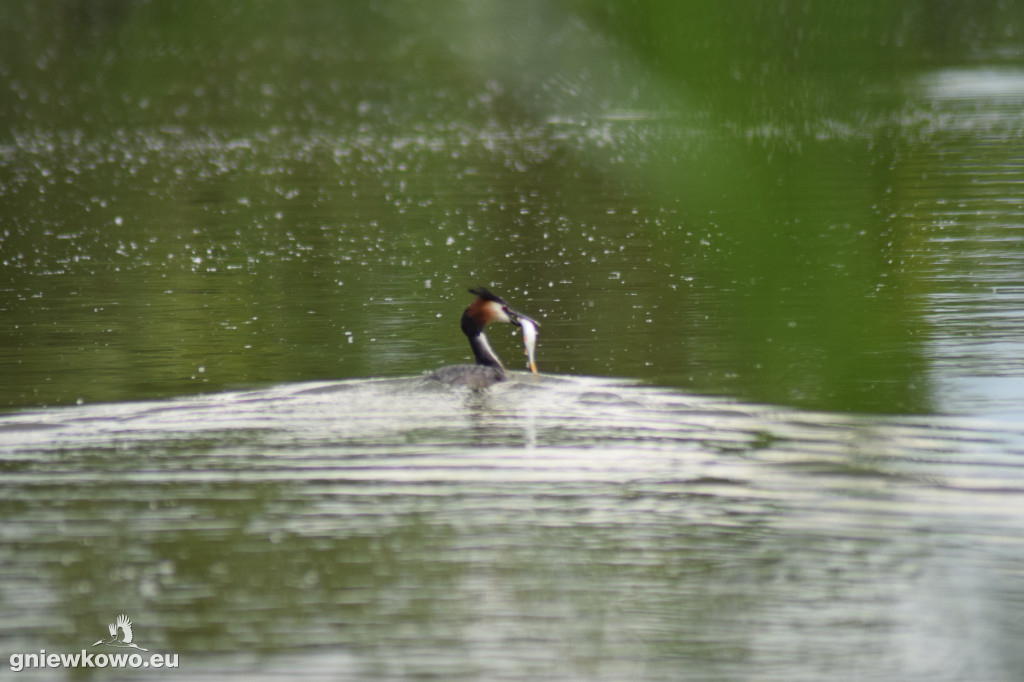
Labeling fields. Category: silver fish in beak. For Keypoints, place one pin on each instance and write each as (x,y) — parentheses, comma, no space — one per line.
(529,328)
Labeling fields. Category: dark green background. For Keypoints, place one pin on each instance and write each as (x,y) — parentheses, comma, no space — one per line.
(757,199)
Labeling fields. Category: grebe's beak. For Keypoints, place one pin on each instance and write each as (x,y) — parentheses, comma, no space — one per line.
(517,318)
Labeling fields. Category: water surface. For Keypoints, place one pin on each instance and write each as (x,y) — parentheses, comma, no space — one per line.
(560,528)
(776,256)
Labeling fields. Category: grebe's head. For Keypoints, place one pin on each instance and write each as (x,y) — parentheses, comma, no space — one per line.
(481,312)
(489,308)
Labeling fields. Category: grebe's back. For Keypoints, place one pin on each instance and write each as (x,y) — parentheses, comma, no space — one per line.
(474,377)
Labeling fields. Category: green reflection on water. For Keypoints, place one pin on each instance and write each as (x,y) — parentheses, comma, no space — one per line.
(200,196)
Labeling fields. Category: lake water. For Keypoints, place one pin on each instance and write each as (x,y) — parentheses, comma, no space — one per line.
(778,261)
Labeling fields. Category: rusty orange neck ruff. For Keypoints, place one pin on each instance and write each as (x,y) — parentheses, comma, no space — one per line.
(478,315)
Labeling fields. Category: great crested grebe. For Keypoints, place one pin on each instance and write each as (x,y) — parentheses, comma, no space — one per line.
(488,369)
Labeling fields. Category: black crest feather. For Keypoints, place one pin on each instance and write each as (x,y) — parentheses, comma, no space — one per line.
(485,294)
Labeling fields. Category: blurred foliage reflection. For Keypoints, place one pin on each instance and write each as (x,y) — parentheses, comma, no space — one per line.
(717,197)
